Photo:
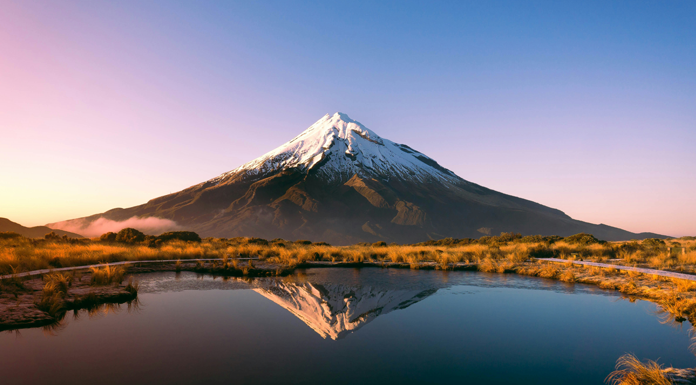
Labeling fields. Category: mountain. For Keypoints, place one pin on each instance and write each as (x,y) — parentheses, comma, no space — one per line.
(31,232)
(334,311)
(341,183)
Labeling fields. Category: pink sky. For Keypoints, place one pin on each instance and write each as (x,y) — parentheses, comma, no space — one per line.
(109,105)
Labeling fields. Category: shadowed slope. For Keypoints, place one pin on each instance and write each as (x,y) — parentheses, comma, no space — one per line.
(7,225)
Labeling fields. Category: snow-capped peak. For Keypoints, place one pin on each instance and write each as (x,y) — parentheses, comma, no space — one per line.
(338,147)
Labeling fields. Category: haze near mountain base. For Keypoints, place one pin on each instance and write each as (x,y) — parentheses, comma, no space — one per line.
(340,182)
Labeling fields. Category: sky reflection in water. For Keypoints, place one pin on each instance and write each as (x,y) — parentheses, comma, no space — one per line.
(348,326)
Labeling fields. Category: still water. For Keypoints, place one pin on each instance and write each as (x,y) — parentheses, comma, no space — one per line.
(347,326)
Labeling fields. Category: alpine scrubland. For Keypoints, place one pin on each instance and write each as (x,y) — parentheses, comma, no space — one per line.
(507,253)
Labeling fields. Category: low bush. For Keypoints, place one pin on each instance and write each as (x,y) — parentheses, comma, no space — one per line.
(108,237)
(582,239)
(186,236)
(9,235)
(130,236)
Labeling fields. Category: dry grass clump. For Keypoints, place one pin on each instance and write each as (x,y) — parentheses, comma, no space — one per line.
(630,288)
(488,266)
(133,286)
(548,271)
(631,371)
(676,304)
(54,291)
(567,276)
(107,275)
(683,285)
(57,282)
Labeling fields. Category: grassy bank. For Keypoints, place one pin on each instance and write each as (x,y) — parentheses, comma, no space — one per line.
(19,254)
(507,253)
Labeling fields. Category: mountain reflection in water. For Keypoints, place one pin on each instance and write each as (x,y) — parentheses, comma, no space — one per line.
(335,302)
(450,327)
(335,311)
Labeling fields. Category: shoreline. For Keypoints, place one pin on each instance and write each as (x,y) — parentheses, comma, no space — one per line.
(18,308)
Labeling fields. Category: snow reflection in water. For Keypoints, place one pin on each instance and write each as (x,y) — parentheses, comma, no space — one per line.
(405,326)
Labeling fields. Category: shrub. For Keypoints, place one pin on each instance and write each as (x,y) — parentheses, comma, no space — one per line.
(187,236)
(303,242)
(532,239)
(129,235)
(108,237)
(552,238)
(52,236)
(582,239)
(259,241)
(542,251)
(629,247)
(379,244)
(652,243)
(9,235)
(508,237)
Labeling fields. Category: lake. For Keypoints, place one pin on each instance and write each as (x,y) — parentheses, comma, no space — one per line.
(347,326)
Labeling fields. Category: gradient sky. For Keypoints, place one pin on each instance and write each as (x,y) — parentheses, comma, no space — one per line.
(588,107)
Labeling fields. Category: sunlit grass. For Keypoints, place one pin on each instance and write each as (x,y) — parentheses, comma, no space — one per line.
(631,371)
(107,275)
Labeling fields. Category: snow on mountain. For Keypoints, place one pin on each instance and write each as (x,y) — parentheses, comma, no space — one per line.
(343,147)
(339,182)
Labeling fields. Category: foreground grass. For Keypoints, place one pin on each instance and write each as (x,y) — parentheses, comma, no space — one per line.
(631,371)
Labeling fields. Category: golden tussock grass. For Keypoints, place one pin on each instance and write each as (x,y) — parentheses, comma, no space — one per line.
(107,275)
(54,291)
(631,371)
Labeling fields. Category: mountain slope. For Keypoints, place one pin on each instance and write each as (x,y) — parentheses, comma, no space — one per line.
(341,183)
(7,225)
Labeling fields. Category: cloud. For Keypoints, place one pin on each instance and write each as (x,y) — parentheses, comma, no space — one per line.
(149,225)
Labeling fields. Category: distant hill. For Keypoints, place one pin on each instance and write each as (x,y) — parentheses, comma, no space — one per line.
(32,232)
(341,183)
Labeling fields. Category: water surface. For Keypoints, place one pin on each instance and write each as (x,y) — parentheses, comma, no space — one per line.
(347,326)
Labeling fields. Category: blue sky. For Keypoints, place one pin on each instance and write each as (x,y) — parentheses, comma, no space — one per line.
(588,107)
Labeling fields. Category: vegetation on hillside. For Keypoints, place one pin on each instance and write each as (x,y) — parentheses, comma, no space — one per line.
(19,254)
(507,253)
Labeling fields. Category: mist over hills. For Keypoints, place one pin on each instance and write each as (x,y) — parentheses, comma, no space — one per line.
(341,183)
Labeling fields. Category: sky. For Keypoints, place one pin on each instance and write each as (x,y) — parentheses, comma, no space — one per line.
(588,107)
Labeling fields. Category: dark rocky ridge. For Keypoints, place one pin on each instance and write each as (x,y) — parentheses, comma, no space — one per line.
(7,225)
